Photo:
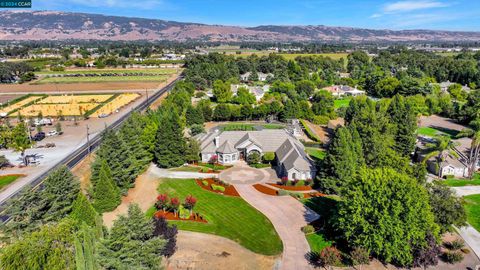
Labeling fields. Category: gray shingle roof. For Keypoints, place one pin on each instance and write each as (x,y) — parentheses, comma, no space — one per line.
(227,148)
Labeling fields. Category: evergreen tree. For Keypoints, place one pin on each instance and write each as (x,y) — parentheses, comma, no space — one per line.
(344,158)
(131,243)
(194,116)
(405,121)
(193,150)
(83,211)
(79,256)
(170,146)
(106,194)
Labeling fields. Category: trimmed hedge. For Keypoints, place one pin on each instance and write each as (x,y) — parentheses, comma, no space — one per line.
(218,188)
(310,134)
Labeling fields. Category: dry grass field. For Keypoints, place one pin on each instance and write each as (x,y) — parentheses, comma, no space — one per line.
(64,99)
(57,109)
(19,104)
(117,103)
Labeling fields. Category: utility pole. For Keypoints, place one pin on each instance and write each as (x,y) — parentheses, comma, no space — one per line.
(146,93)
(88,139)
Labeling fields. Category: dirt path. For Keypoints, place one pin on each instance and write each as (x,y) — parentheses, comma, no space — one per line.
(144,194)
(288,216)
(320,131)
(210,252)
(83,171)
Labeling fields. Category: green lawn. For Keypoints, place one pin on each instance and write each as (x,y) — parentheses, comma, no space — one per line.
(7,179)
(106,79)
(339,103)
(428,131)
(316,153)
(317,241)
(462,182)
(472,207)
(230,217)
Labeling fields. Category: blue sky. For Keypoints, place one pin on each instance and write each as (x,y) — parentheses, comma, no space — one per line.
(377,14)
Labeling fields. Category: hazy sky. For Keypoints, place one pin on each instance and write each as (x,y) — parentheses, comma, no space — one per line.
(424,14)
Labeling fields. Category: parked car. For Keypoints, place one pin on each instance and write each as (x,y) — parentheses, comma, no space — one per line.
(52,133)
(103,115)
(39,136)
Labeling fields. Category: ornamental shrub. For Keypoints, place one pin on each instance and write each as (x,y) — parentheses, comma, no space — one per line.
(359,255)
(329,256)
(282,192)
(218,188)
(452,257)
(308,229)
(455,245)
(205,182)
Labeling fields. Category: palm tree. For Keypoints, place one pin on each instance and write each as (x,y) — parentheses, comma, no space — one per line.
(441,148)
(474,152)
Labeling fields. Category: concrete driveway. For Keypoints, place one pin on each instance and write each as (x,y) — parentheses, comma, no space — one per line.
(288,216)
(164,173)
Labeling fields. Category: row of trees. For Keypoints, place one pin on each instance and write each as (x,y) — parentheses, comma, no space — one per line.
(386,206)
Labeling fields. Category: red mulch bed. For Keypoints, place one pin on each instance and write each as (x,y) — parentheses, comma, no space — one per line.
(313,194)
(265,190)
(171,216)
(291,188)
(229,190)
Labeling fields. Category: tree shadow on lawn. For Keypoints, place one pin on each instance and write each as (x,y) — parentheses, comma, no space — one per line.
(451,132)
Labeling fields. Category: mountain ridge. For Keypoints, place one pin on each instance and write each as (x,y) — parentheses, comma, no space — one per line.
(57,25)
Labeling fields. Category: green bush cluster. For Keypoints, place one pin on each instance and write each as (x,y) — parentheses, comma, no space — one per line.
(205,182)
(308,229)
(218,188)
(452,257)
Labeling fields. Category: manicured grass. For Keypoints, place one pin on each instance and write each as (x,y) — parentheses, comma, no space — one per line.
(316,153)
(272,126)
(186,169)
(339,103)
(462,182)
(160,78)
(7,179)
(472,207)
(428,131)
(317,241)
(230,217)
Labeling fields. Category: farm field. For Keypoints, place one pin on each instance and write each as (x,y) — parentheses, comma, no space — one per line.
(70,105)
(230,217)
(115,104)
(66,80)
(109,71)
(17,105)
(289,56)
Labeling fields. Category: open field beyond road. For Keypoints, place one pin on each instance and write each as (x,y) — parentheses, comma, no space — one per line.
(110,71)
(230,217)
(289,56)
(55,80)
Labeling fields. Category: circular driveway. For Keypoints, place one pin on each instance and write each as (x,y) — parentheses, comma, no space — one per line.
(243,175)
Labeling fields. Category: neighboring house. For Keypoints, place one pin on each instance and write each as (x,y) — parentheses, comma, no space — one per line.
(232,146)
(449,165)
(344,90)
(261,76)
(257,91)
(444,86)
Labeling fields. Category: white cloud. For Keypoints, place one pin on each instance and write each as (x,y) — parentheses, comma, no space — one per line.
(405,6)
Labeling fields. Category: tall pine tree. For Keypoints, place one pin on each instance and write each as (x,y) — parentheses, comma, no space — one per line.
(403,116)
(171,145)
(105,193)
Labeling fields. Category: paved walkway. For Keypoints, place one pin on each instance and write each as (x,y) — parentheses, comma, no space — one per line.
(472,237)
(288,216)
(466,190)
(164,173)
(241,173)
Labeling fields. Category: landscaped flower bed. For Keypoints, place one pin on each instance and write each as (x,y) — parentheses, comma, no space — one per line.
(265,190)
(172,216)
(291,188)
(172,209)
(217,186)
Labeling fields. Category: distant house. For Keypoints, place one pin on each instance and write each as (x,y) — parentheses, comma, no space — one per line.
(444,86)
(344,90)
(257,91)
(450,166)
(231,146)
(261,76)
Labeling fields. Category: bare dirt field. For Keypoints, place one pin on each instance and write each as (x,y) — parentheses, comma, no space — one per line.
(83,172)
(68,87)
(320,131)
(205,251)
(144,194)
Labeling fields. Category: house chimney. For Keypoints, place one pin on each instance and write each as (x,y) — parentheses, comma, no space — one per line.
(216,141)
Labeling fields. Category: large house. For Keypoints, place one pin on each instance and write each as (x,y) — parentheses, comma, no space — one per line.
(445,85)
(261,76)
(231,146)
(257,91)
(344,90)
